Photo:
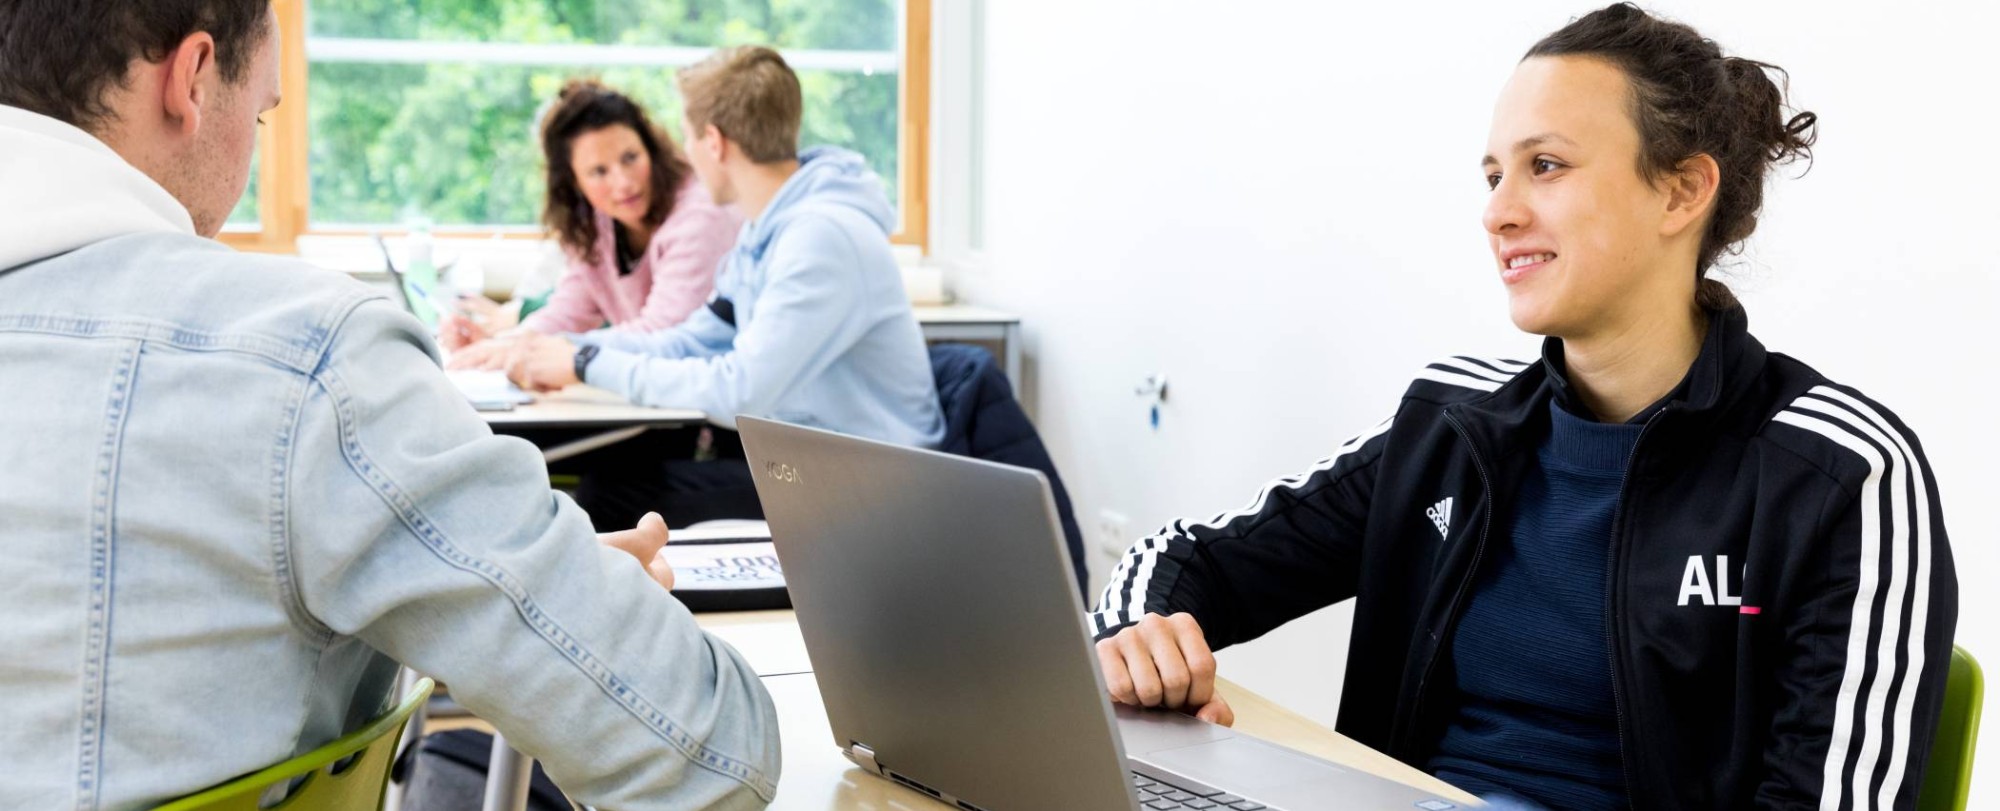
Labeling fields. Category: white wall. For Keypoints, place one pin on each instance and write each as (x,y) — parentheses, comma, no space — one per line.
(1278,205)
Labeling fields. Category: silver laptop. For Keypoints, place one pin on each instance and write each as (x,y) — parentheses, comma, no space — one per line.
(488,390)
(938,608)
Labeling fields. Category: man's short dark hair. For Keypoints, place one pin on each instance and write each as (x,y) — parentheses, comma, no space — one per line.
(60,57)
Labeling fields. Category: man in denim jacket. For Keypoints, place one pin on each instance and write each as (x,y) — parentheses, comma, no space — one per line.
(235,491)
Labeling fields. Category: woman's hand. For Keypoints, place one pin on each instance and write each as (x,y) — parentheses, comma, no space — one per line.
(456,331)
(484,310)
(1164,662)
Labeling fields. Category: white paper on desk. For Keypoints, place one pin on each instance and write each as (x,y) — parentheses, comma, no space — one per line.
(772,648)
(482,386)
(718,566)
(721,529)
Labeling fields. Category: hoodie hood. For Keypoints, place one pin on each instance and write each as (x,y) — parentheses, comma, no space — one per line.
(62,189)
(827,176)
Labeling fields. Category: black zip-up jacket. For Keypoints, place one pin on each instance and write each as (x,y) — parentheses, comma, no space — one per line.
(1780,597)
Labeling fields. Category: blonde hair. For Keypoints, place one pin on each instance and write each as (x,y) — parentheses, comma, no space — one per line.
(750,95)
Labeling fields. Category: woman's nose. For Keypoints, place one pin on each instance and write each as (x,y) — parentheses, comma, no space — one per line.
(1505,210)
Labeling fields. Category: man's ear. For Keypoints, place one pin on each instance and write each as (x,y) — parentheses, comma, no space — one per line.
(192,76)
(1690,194)
(719,145)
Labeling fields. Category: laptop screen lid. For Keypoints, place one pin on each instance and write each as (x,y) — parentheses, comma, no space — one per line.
(428,314)
(938,608)
(395,276)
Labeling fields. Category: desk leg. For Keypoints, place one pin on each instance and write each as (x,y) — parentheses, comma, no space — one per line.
(507,774)
(590,443)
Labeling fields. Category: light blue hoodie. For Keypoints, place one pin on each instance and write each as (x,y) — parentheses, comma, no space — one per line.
(821,335)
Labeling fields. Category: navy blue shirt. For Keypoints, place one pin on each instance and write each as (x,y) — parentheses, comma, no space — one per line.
(1531,653)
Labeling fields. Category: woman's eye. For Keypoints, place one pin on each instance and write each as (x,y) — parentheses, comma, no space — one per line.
(1544,166)
(1493,181)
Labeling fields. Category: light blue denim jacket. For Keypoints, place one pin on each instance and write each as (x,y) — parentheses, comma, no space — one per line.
(235,490)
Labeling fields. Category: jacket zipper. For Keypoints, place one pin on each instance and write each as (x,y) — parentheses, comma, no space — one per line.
(1611,596)
(1464,583)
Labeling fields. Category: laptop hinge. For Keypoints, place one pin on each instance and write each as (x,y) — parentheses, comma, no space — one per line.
(864,757)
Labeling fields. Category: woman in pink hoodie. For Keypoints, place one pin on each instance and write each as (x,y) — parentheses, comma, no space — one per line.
(642,237)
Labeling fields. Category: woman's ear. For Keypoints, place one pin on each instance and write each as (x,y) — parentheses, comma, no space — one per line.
(1690,194)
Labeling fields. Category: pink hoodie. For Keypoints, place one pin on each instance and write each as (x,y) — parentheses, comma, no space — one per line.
(671,279)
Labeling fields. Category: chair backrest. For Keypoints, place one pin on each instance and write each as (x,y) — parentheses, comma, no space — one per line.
(1948,775)
(984,421)
(349,774)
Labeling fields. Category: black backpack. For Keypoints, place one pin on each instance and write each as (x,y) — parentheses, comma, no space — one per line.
(446,771)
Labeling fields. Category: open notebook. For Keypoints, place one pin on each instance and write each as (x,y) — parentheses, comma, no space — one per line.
(726,565)
(489,390)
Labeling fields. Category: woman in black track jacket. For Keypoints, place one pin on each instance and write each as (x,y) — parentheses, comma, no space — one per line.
(1659,568)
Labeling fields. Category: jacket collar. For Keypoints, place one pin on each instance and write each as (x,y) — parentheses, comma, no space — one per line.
(1727,367)
(1729,362)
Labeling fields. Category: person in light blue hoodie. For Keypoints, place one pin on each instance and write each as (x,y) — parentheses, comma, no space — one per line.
(809,323)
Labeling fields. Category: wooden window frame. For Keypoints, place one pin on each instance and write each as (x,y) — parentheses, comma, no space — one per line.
(284,196)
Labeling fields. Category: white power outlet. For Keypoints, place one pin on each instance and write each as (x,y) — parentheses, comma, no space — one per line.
(1114,532)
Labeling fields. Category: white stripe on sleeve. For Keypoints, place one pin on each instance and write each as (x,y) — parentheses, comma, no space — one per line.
(1884,433)
(1832,788)
(1122,603)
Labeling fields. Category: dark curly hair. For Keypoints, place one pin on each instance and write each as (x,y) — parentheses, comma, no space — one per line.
(1689,99)
(58,57)
(585,105)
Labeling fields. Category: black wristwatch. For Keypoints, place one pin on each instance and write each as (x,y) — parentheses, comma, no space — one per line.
(584,354)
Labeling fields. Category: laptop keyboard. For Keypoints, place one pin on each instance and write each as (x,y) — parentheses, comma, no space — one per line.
(1161,796)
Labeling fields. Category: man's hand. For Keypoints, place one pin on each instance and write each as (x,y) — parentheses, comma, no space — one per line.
(644,543)
(542,362)
(488,355)
(1164,662)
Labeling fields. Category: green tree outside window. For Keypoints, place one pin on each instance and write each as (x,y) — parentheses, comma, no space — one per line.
(455,142)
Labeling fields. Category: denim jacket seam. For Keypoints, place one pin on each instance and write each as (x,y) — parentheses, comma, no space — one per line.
(97,630)
(283,572)
(434,539)
(280,522)
(292,355)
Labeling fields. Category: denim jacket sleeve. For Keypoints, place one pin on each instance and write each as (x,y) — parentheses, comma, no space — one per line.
(413,528)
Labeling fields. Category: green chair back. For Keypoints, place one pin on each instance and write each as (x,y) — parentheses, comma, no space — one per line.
(1948,775)
(349,774)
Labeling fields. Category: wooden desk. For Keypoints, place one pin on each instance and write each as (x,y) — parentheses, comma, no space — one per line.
(619,420)
(587,407)
(817,777)
(770,640)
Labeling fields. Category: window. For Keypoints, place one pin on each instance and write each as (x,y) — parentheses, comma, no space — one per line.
(245,213)
(427,108)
